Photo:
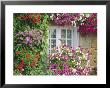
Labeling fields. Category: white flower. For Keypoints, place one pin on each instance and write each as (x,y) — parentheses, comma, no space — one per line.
(51,17)
(72,22)
(73,70)
(58,14)
(52,54)
(80,18)
(70,54)
(22,69)
(81,14)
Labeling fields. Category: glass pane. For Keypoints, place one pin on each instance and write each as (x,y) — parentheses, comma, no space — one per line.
(53,33)
(69,42)
(63,41)
(49,51)
(49,43)
(49,31)
(63,33)
(53,43)
(69,34)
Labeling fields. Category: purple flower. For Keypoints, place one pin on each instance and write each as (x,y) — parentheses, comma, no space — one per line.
(55,72)
(53,66)
(66,66)
(28,40)
(59,72)
(30,33)
(67,71)
(73,51)
(24,33)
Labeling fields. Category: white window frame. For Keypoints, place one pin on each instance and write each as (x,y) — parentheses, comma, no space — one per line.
(74,39)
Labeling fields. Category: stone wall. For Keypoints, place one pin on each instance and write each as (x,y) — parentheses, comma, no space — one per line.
(90,43)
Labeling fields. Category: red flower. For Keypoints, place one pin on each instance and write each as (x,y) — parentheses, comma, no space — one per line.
(34,20)
(33,63)
(25,17)
(21,65)
(38,19)
(17,52)
(28,55)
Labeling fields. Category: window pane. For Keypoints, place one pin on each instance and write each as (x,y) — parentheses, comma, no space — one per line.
(53,33)
(63,33)
(69,34)
(53,43)
(49,44)
(69,42)
(63,41)
(49,51)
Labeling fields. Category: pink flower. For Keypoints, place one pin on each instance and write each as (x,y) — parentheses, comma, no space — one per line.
(53,66)
(28,40)
(30,33)
(66,57)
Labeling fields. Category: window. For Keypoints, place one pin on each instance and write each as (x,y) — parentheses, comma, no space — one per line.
(66,36)
(58,36)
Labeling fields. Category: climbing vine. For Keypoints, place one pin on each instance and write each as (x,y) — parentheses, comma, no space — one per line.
(30,43)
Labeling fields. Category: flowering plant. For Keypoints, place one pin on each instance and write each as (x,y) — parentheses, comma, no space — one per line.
(31,17)
(67,61)
(31,38)
(64,19)
(86,22)
(89,25)
(30,43)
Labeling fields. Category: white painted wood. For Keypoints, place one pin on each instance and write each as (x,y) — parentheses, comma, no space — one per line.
(58,37)
(75,38)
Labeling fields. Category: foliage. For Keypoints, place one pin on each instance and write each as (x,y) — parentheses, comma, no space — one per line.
(63,19)
(67,61)
(30,43)
(86,22)
(89,25)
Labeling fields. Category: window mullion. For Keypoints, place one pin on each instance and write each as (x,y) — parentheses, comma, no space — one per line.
(76,37)
(58,36)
